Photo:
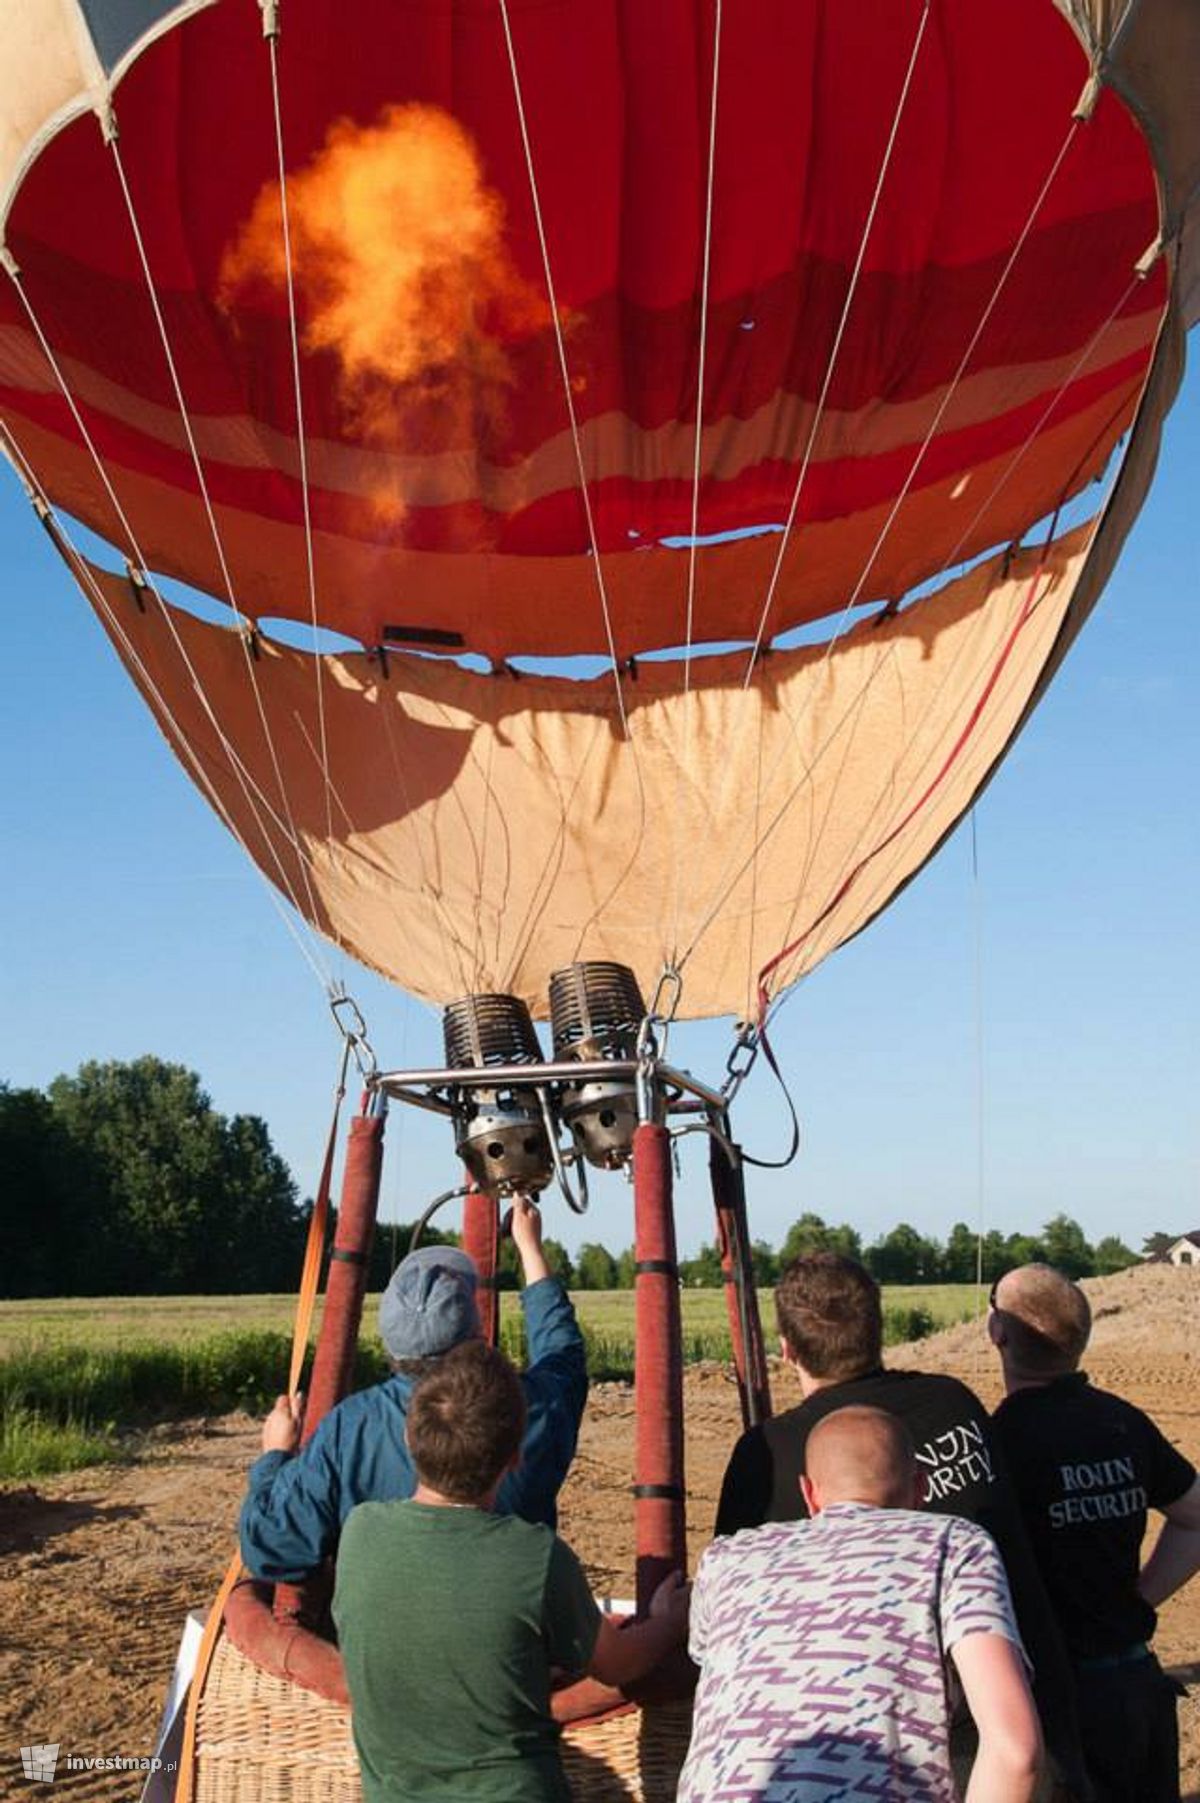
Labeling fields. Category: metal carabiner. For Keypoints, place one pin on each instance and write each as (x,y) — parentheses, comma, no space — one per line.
(741,1059)
(354,1032)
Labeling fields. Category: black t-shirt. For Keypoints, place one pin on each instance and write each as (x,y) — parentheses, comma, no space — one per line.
(950,1429)
(1086,1466)
(965,1475)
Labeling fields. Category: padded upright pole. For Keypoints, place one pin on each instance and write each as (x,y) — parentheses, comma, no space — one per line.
(346,1282)
(345,1286)
(481,1238)
(737,1266)
(661,1530)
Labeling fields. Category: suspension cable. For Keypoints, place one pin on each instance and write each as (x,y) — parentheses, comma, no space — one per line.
(206,499)
(272,38)
(698,441)
(720,890)
(872,210)
(242,775)
(86,579)
(565,373)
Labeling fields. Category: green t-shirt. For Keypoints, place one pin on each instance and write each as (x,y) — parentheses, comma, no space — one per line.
(449,1622)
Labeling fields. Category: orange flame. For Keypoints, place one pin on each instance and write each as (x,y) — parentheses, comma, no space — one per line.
(399,256)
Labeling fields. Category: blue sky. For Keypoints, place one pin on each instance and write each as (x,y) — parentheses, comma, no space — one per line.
(131,923)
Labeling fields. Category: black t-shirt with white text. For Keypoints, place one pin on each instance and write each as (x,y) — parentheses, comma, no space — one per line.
(949,1427)
(1086,1467)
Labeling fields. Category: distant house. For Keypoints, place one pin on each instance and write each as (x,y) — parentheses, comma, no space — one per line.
(1184,1251)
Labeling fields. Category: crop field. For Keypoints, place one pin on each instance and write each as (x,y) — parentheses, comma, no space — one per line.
(109,1321)
(83,1379)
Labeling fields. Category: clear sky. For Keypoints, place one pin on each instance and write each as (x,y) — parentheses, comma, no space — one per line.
(131,923)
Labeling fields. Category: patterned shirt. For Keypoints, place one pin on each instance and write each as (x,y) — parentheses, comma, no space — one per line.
(821,1647)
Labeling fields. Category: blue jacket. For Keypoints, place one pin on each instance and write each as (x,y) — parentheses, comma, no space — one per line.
(298,1502)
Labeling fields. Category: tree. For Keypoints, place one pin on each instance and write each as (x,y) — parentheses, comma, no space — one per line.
(48,1200)
(180,1198)
(704,1270)
(1066,1248)
(1023,1249)
(1112,1254)
(626,1269)
(810,1234)
(904,1256)
(763,1264)
(559,1261)
(961,1256)
(595,1268)
(1155,1244)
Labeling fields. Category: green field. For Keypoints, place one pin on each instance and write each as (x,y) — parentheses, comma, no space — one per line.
(100,1321)
(81,1380)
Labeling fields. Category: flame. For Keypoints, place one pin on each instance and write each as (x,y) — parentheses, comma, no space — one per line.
(400,261)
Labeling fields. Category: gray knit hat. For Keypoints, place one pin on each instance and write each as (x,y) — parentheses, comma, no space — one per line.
(429,1305)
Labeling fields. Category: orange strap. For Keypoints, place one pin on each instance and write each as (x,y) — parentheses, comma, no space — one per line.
(305,1302)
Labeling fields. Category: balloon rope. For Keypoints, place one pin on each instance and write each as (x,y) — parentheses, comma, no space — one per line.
(756,650)
(730,876)
(672,947)
(451,940)
(944,403)
(250,789)
(933,701)
(980,1116)
(884,166)
(84,575)
(1084,358)
(564,371)
(202,483)
(301,439)
(948,762)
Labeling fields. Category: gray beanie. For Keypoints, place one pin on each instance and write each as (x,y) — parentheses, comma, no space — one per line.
(429,1305)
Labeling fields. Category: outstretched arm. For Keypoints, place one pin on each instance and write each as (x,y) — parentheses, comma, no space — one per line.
(622,1655)
(527,1238)
(555,1379)
(1176,1555)
(1010,1741)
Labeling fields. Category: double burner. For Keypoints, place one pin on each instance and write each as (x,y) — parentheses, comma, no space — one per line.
(507,1133)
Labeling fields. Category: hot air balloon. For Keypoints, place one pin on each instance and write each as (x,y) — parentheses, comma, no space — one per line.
(684,417)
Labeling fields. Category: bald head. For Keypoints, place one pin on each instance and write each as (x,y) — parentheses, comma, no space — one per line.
(861,1455)
(1041,1322)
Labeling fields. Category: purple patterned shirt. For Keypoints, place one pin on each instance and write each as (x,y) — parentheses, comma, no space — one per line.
(821,1648)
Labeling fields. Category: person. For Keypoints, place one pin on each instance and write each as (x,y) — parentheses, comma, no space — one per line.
(1087,1466)
(830,1319)
(821,1642)
(298,1501)
(450,1618)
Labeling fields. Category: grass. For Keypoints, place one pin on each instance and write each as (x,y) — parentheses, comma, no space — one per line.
(79,1379)
(98,1321)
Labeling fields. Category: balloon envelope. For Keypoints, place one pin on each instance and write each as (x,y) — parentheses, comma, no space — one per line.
(574,331)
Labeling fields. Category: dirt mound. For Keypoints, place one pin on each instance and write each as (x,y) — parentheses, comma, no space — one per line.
(101,1567)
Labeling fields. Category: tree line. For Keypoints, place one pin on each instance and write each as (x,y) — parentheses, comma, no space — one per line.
(124,1180)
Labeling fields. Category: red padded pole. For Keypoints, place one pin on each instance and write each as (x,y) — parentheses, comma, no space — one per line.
(659,1514)
(481,1238)
(741,1297)
(345,1286)
(346,1282)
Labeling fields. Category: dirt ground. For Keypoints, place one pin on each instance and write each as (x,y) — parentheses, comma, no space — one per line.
(100,1567)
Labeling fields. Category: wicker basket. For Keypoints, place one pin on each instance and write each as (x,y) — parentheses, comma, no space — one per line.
(260,1739)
